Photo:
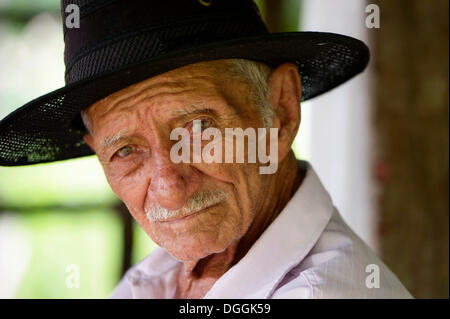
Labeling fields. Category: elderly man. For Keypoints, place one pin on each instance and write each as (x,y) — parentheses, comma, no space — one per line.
(137,71)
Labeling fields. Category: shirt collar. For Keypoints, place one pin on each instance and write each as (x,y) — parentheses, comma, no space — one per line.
(283,245)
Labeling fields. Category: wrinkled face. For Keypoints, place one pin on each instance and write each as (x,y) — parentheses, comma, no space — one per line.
(191,209)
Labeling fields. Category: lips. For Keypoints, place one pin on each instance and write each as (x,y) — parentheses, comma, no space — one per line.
(187,216)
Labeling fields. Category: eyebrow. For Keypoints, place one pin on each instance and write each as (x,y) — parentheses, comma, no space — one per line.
(109,141)
(195,109)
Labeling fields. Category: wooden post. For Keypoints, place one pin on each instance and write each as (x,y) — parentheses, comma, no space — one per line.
(412,134)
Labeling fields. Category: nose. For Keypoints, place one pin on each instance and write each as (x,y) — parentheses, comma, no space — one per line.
(169,181)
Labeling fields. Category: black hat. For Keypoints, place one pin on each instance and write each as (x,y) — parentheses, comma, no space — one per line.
(122,42)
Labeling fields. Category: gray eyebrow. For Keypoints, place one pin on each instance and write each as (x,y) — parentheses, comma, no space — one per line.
(195,109)
(107,142)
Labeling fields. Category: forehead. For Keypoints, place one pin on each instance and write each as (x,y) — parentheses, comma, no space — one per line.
(179,85)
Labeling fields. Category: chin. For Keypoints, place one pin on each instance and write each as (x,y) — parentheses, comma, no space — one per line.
(196,247)
(199,236)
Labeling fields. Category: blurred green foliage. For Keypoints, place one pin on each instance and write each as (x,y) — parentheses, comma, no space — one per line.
(19,12)
(25,5)
(91,240)
(68,183)
(284,14)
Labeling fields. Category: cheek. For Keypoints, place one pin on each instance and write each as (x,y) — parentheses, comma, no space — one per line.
(220,172)
(131,189)
(243,181)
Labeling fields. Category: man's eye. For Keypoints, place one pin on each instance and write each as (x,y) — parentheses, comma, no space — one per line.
(125,151)
(201,125)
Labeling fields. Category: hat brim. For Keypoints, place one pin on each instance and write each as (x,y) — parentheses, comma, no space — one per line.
(45,129)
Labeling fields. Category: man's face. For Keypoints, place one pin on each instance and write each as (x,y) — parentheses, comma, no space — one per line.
(192,210)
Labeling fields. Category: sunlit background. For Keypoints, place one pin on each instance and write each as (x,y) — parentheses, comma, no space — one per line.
(55,217)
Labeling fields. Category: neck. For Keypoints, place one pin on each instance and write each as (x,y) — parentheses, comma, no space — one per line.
(279,189)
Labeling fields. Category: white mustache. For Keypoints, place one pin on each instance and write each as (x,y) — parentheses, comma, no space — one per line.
(197,202)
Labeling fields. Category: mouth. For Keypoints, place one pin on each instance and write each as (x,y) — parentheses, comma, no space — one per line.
(188,216)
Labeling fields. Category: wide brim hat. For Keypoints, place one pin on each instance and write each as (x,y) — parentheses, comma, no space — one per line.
(118,43)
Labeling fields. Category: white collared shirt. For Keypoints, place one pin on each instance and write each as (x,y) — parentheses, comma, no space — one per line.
(307,252)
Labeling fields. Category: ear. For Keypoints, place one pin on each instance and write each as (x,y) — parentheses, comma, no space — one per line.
(89,140)
(285,94)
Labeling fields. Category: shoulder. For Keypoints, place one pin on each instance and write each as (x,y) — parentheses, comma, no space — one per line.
(143,275)
(340,265)
(123,289)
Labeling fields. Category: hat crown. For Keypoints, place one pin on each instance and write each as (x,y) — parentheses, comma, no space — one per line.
(113,34)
